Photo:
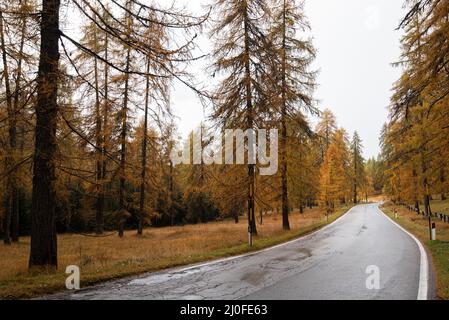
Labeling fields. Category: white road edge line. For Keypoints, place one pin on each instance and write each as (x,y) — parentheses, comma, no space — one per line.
(263,250)
(424,262)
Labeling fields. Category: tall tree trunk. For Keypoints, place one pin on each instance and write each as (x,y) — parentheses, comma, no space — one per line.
(15,206)
(124,130)
(9,159)
(285,204)
(7,221)
(254,222)
(106,135)
(124,134)
(171,190)
(442,179)
(422,151)
(43,211)
(99,206)
(15,217)
(250,124)
(425,169)
(425,184)
(144,153)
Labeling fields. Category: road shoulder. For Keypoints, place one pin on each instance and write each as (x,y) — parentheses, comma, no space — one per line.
(428,273)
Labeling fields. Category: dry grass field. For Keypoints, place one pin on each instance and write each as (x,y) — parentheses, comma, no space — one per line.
(106,258)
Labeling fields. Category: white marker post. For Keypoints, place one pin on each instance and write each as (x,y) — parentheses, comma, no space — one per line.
(434,232)
(250,236)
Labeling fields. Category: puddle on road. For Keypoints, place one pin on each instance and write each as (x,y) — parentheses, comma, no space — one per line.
(253,278)
(174,275)
(305,251)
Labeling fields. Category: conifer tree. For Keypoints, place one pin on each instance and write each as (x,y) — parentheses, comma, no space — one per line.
(325,130)
(358,166)
(242,56)
(295,82)
(335,182)
(43,233)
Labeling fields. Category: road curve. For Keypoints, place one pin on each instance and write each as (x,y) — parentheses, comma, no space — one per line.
(327,265)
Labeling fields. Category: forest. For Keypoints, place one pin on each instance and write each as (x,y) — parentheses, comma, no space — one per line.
(87,125)
(415,141)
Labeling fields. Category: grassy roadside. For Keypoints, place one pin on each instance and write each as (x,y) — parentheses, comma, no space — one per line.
(441,206)
(418,225)
(103,259)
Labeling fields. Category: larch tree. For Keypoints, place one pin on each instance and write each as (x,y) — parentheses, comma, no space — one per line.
(18,39)
(10,185)
(242,57)
(375,168)
(325,130)
(44,250)
(357,165)
(156,92)
(335,175)
(124,114)
(15,31)
(295,82)
(93,75)
(303,158)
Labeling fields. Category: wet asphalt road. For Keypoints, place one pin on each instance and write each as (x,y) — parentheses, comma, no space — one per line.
(329,264)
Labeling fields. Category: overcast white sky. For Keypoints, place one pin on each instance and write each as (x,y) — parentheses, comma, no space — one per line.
(356,42)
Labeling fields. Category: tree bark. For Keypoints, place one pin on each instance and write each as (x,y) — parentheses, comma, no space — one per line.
(16,190)
(417,206)
(442,179)
(254,223)
(284,182)
(425,181)
(171,191)
(99,206)
(106,135)
(124,131)
(11,137)
(144,154)
(124,134)
(250,124)
(7,221)
(43,212)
